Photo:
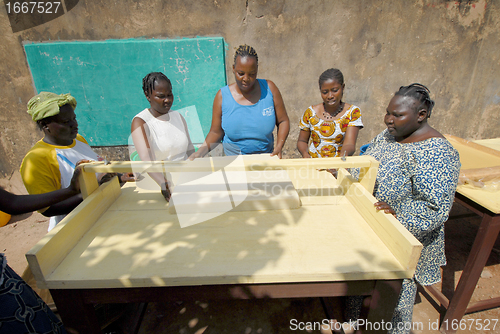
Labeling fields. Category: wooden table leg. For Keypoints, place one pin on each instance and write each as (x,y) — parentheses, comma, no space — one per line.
(481,249)
(133,318)
(77,317)
(379,307)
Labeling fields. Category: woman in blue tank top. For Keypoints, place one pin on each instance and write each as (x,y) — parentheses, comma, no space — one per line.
(245,113)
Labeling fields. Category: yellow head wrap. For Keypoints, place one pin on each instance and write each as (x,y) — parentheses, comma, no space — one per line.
(47,104)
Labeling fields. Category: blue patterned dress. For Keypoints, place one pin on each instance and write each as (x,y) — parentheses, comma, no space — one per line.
(21,309)
(417,180)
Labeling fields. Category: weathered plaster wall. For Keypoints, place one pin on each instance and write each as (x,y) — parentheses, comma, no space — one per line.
(379,45)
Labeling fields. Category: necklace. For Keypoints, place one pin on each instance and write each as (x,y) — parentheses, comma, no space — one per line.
(329,116)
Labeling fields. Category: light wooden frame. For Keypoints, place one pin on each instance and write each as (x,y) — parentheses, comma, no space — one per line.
(45,257)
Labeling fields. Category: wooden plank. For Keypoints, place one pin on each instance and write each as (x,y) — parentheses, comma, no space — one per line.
(472,144)
(49,252)
(483,305)
(437,294)
(227,291)
(88,183)
(368,175)
(486,199)
(403,245)
(234,190)
(473,156)
(78,316)
(246,163)
(345,180)
(382,302)
(150,166)
(480,174)
(493,143)
(313,185)
(326,189)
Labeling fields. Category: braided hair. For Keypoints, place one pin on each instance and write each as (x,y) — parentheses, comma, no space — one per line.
(148,82)
(331,74)
(245,51)
(420,93)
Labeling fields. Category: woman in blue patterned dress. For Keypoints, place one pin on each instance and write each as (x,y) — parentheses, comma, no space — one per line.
(21,309)
(416,182)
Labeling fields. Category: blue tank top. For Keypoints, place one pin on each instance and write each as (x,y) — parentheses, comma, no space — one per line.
(248,129)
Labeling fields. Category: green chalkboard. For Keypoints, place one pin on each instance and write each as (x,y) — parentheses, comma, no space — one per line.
(105,77)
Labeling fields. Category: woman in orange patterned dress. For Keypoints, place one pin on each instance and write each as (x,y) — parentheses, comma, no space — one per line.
(333,125)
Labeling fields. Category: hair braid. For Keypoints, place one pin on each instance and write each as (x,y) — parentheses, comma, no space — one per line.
(245,51)
(148,82)
(420,93)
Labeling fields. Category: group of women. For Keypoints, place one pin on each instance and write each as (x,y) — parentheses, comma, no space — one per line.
(418,169)
(244,117)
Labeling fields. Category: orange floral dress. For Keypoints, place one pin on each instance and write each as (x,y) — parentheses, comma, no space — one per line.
(327,137)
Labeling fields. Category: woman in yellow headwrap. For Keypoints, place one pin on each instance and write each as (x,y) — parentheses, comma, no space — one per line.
(50,164)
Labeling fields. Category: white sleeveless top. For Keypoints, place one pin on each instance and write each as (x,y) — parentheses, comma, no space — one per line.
(166,135)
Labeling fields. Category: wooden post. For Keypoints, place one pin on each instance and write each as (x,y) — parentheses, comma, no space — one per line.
(368,176)
(88,182)
(77,316)
(381,305)
(481,249)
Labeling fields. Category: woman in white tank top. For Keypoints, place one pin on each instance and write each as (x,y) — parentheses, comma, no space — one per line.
(159,133)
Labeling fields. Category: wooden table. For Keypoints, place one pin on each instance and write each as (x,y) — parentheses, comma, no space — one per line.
(487,205)
(123,245)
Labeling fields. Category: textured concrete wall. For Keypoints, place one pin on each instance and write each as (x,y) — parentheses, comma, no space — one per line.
(452,47)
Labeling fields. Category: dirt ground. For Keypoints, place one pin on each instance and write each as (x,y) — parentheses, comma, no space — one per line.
(276,316)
